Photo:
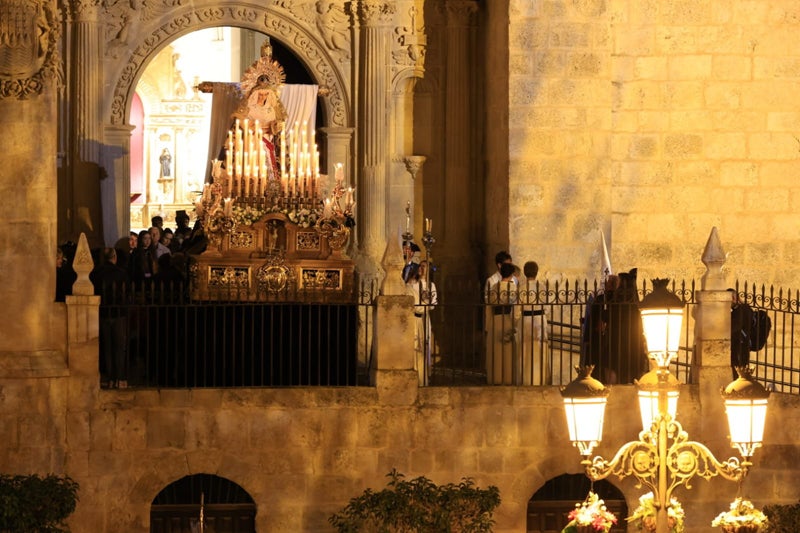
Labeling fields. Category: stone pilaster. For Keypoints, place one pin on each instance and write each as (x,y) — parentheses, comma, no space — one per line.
(31,321)
(85,131)
(375,16)
(87,80)
(116,187)
(460,158)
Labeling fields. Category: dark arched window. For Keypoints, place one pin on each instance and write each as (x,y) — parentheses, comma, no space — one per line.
(224,506)
(549,507)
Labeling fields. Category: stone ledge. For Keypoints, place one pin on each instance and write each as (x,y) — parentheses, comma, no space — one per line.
(36,364)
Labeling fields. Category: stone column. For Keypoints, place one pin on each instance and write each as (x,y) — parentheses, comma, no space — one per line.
(712,368)
(86,96)
(32,339)
(393,370)
(375,15)
(460,158)
(340,146)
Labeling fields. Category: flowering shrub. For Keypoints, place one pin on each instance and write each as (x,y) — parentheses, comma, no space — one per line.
(742,513)
(591,512)
(645,515)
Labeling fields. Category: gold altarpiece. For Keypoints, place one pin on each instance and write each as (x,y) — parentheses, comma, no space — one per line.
(271,236)
(273,258)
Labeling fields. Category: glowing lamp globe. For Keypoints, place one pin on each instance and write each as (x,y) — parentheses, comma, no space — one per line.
(585,404)
(746,407)
(662,316)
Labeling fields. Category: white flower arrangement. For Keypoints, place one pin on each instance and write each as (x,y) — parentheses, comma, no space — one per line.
(591,513)
(645,515)
(742,516)
(305,218)
(247,215)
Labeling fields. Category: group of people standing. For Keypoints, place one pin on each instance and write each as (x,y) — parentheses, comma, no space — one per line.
(156,258)
(612,338)
(515,326)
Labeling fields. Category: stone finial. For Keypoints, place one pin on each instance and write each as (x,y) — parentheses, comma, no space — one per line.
(392,264)
(714,259)
(83,265)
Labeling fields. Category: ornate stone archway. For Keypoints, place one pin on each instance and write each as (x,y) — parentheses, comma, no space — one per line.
(327,60)
(271,20)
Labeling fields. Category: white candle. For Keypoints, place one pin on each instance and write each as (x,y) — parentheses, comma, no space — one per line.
(228,207)
(326,211)
(283,152)
(339,173)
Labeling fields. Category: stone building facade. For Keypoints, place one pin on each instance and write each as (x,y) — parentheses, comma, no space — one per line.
(541,123)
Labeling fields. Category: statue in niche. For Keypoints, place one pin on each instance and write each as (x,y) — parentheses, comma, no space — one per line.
(273,236)
(165,160)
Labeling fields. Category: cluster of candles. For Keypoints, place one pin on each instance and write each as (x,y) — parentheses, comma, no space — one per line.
(249,164)
(332,206)
(249,167)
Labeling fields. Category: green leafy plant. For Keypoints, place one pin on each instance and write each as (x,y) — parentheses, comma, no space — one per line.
(33,504)
(783,518)
(420,506)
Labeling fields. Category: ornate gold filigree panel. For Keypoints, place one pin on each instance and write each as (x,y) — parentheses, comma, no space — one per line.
(242,239)
(308,241)
(274,275)
(321,278)
(229,276)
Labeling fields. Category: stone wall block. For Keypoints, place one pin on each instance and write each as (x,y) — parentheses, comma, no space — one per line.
(101,429)
(103,464)
(78,430)
(396,333)
(200,430)
(166,429)
(130,430)
(82,318)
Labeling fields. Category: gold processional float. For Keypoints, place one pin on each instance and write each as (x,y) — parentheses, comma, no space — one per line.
(271,236)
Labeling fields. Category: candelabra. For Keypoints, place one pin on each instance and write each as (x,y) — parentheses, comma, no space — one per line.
(254,175)
(338,214)
(407,235)
(215,213)
(663,458)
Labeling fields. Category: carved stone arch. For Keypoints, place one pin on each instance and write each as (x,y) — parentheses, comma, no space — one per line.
(427,85)
(271,21)
(404,81)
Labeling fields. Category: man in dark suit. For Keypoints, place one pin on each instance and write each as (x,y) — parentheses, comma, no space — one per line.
(741,320)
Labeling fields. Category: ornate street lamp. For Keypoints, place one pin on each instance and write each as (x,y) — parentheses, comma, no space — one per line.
(663,457)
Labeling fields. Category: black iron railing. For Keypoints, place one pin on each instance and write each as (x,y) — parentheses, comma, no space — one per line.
(275,340)
(533,337)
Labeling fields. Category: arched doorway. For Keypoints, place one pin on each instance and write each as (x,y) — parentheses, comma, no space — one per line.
(170,150)
(225,507)
(548,508)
